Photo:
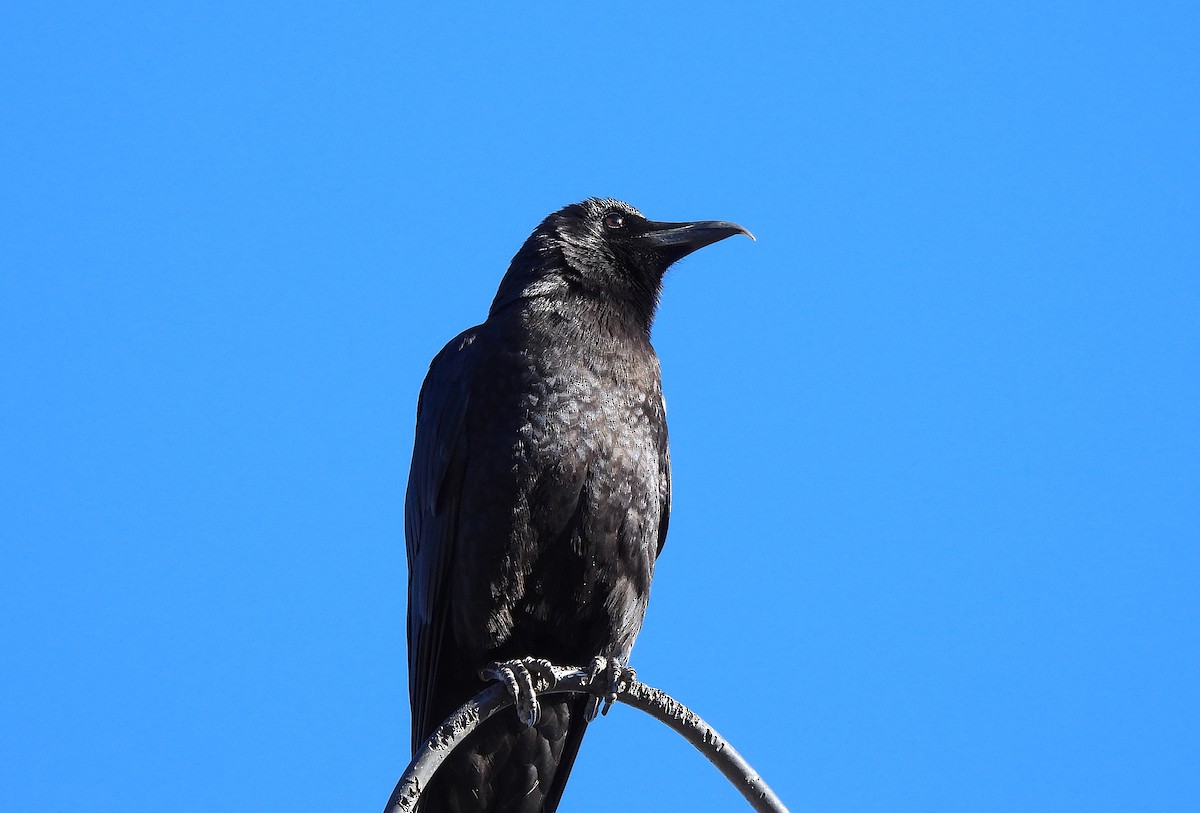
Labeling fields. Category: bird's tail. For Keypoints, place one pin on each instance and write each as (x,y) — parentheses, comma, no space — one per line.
(505,767)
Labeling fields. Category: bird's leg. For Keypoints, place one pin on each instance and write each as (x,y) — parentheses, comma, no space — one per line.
(618,677)
(524,677)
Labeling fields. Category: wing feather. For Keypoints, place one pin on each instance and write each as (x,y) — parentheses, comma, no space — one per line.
(431,520)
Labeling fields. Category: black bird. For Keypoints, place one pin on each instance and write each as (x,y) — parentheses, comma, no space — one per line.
(539,495)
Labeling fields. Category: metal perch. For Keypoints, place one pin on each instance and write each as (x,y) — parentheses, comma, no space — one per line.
(654,702)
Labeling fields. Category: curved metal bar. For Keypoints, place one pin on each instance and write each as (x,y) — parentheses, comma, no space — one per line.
(654,702)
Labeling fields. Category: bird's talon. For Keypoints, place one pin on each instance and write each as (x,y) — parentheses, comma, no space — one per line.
(543,671)
(618,678)
(523,678)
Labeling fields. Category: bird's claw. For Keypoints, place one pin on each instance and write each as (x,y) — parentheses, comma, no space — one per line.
(524,677)
(617,676)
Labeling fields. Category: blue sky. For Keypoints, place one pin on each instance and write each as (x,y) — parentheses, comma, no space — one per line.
(935,435)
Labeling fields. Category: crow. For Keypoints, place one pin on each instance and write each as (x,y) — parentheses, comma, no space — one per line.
(539,496)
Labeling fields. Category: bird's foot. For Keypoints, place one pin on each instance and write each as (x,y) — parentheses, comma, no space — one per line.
(524,677)
(617,678)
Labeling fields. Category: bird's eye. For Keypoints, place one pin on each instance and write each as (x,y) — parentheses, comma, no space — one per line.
(612,220)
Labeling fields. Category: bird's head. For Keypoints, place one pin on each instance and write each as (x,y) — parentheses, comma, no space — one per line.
(607,251)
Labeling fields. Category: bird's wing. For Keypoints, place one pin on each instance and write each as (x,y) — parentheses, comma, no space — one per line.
(431,519)
(664,488)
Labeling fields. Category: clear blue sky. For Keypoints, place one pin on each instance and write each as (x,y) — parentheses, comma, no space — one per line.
(936,435)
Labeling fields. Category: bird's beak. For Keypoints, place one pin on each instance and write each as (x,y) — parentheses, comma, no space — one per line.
(681,239)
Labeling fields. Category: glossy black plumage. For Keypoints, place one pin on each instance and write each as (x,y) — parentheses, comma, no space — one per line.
(540,491)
